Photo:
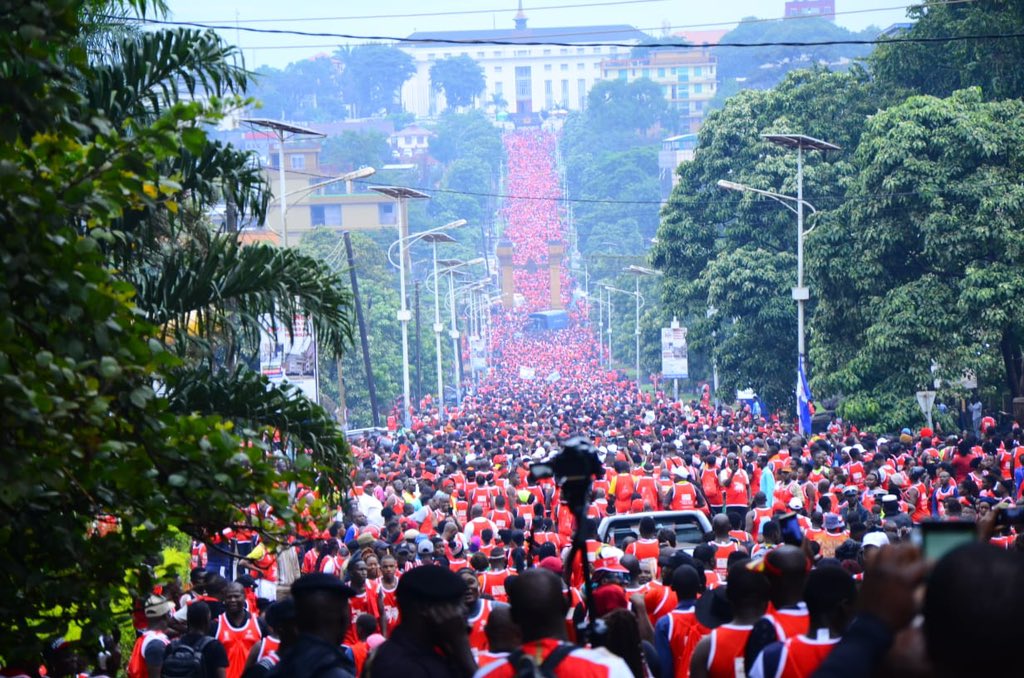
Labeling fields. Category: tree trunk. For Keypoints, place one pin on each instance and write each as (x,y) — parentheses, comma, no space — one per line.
(1013,362)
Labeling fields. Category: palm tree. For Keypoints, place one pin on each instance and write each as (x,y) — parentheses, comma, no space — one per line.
(207,293)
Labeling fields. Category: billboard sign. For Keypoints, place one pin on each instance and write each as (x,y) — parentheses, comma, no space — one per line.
(291,359)
(675,362)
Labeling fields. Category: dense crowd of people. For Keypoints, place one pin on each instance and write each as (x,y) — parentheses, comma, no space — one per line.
(449,558)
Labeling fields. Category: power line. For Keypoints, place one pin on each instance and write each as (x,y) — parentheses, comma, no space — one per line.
(448,13)
(547,43)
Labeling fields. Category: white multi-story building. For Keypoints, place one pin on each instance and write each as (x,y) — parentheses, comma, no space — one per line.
(528,78)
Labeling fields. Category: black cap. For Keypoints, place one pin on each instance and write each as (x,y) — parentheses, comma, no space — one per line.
(319,581)
(430,584)
(713,608)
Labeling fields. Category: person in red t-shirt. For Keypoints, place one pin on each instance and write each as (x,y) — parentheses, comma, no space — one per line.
(539,607)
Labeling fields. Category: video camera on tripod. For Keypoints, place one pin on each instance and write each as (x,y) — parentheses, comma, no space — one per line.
(575,468)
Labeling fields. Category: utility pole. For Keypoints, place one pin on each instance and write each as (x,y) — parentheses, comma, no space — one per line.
(371,383)
(416,305)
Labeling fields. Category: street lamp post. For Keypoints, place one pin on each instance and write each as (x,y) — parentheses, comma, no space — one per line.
(639,304)
(714,346)
(401,195)
(451,267)
(404,315)
(434,239)
(638,271)
(801,294)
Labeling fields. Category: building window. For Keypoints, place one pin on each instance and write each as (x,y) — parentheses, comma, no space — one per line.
(547,68)
(547,52)
(479,55)
(565,92)
(549,94)
(522,52)
(499,88)
(431,56)
(421,140)
(325,215)
(297,161)
(580,66)
(597,50)
(661,72)
(697,89)
(564,50)
(524,83)
(565,67)
(696,71)
(386,213)
(497,69)
(580,50)
(645,73)
(581,93)
(497,52)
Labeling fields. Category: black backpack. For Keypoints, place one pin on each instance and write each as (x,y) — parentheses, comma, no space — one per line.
(182,660)
(525,667)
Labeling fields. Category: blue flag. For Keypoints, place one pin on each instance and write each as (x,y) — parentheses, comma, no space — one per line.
(803,397)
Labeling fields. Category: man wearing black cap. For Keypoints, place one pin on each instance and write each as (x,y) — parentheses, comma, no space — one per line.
(432,639)
(322,618)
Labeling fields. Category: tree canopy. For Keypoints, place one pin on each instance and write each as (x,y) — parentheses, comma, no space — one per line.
(921,265)
(460,78)
(125,318)
(737,253)
(941,68)
(372,77)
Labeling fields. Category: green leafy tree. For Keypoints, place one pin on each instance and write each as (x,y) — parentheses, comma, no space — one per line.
(468,136)
(352,150)
(373,76)
(113,404)
(736,253)
(940,68)
(304,90)
(460,78)
(922,265)
(764,67)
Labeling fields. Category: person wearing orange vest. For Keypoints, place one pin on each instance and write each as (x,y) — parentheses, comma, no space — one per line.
(721,653)
(492,581)
(786,568)
(758,515)
(148,652)
(830,595)
(237,629)
(537,608)
(685,495)
(676,634)
(501,517)
(646,547)
(478,611)
(723,543)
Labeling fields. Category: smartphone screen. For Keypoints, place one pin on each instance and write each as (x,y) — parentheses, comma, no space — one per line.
(938,539)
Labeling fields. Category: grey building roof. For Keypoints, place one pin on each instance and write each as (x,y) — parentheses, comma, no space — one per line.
(569,34)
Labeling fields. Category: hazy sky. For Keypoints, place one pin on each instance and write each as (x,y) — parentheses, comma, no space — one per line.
(324,16)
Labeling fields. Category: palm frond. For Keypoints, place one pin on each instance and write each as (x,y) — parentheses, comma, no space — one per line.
(252,402)
(226,288)
(159,68)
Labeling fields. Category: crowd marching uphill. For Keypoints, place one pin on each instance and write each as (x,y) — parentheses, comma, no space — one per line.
(450,559)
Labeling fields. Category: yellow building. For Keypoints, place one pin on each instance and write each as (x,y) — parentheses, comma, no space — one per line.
(349,206)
